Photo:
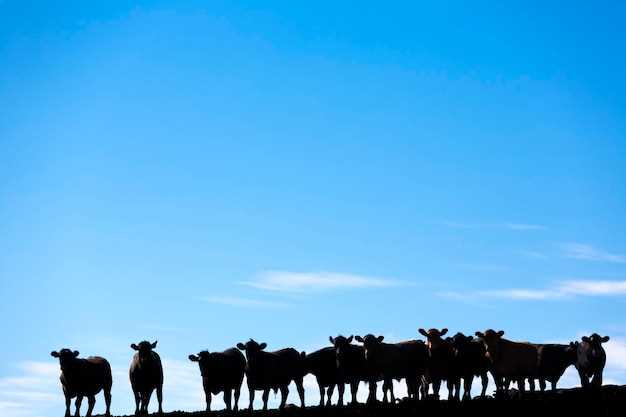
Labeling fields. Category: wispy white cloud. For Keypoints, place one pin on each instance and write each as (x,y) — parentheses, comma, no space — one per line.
(586,252)
(533,254)
(286,281)
(33,391)
(515,226)
(565,289)
(244,302)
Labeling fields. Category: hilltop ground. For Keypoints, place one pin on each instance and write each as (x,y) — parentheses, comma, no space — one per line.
(609,401)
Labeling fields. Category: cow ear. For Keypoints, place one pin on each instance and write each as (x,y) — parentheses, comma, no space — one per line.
(380,338)
(193,358)
(349,340)
(54,354)
(241,346)
(479,334)
(501,333)
(449,339)
(572,344)
(262,345)
(76,353)
(359,338)
(586,339)
(443,331)
(605,339)
(134,347)
(332,340)
(469,338)
(154,344)
(423,332)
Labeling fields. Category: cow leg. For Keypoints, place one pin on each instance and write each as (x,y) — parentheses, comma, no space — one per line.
(91,402)
(354,389)
(265,396)
(597,380)
(341,388)
(159,392)
(584,380)
(237,393)
(68,403)
(436,386)
(531,384)
(542,384)
(485,381)
(392,398)
(251,399)
(329,395)
(146,401)
(385,390)
(467,387)
(228,394)
(300,389)
(371,397)
(107,401)
(521,384)
(322,391)
(450,384)
(137,402)
(411,387)
(208,397)
(553,383)
(79,400)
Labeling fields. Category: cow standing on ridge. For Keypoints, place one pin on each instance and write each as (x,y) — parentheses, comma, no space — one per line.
(554,359)
(508,360)
(146,375)
(221,372)
(440,358)
(469,361)
(84,378)
(389,361)
(591,359)
(267,371)
(351,364)
(323,365)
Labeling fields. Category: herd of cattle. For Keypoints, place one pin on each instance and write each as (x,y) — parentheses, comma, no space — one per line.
(422,364)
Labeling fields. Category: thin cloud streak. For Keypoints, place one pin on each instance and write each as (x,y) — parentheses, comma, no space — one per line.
(286,281)
(243,302)
(520,227)
(586,252)
(565,289)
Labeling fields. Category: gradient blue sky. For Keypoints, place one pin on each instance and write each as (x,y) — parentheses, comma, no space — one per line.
(208,172)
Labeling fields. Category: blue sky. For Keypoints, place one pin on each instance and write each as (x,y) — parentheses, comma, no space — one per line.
(205,173)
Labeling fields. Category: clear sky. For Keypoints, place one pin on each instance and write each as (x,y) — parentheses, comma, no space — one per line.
(209,172)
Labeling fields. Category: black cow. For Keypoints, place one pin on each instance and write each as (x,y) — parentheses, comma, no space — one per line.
(469,361)
(323,365)
(440,357)
(351,363)
(84,378)
(221,372)
(591,359)
(389,361)
(146,375)
(273,370)
(554,359)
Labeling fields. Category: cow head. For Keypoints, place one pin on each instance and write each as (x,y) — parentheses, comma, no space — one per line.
(595,339)
(144,350)
(459,341)
(371,344)
(491,340)
(341,344)
(434,337)
(571,352)
(66,356)
(203,358)
(252,348)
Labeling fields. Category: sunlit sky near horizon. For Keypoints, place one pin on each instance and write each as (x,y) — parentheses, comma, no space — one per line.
(207,172)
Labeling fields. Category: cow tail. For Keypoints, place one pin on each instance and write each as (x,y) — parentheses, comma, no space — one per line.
(303,370)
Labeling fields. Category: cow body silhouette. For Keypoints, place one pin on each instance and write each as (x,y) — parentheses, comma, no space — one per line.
(351,364)
(440,361)
(221,372)
(146,375)
(323,365)
(84,378)
(554,359)
(469,361)
(591,359)
(389,361)
(267,371)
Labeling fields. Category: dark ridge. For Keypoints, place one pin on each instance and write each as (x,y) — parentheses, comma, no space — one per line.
(610,400)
